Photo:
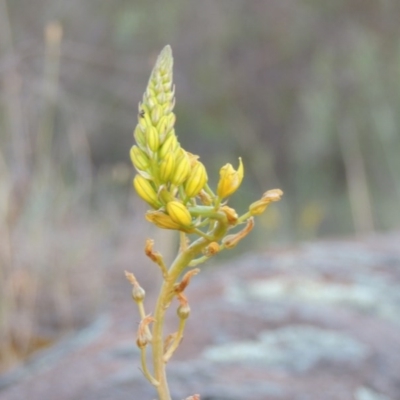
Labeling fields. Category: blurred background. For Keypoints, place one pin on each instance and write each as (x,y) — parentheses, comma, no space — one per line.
(307,92)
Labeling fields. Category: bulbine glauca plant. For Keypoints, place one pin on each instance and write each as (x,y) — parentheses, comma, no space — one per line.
(173,182)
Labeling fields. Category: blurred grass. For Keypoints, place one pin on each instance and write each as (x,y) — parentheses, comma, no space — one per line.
(307,92)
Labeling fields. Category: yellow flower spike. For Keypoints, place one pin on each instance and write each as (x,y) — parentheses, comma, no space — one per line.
(139,159)
(170,144)
(162,220)
(231,214)
(196,181)
(182,169)
(146,191)
(230,179)
(179,213)
(153,141)
(161,78)
(155,119)
(259,206)
(167,166)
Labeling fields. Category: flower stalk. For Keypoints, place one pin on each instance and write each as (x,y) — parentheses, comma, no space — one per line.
(174,183)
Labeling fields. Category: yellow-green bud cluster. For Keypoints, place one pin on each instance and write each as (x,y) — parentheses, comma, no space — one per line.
(168,176)
(171,180)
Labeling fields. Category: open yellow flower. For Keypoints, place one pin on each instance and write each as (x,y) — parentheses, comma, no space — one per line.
(230,179)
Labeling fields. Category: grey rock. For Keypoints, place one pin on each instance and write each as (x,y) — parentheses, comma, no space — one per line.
(297,348)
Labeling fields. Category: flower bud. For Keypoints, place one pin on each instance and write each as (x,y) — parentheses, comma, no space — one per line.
(142,124)
(139,137)
(196,181)
(139,158)
(146,191)
(138,293)
(162,128)
(183,311)
(182,169)
(179,213)
(162,220)
(193,159)
(171,121)
(229,180)
(167,166)
(156,113)
(153,141)
(170,144)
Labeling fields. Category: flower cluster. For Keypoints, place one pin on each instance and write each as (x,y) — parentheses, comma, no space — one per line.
(172,181)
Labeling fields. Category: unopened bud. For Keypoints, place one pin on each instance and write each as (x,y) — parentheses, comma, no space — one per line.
(167,167)
(139,158)
(182,169)
(179,213)
(138,293)
(196,181)
(162,128)
(139,137)
(162,220)
(170,144)
(183,311)
(146,191)
(152,139)
(193,159)
(156,114)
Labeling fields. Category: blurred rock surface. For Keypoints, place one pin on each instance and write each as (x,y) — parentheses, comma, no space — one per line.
(317,322)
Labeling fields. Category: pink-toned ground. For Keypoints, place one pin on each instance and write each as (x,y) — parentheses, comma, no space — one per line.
(320,321)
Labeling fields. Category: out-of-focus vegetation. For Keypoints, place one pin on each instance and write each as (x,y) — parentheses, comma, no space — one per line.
(306,92)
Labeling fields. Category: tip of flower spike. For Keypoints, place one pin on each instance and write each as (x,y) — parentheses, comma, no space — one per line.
(165,59)
(166,51)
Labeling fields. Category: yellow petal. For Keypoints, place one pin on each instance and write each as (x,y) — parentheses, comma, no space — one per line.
(230,179)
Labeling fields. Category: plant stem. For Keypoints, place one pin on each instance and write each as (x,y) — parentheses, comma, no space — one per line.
(180,263)
(179,335)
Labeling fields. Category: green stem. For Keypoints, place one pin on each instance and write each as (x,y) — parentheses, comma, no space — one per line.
(180,263)
(145,371)
(176,342)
